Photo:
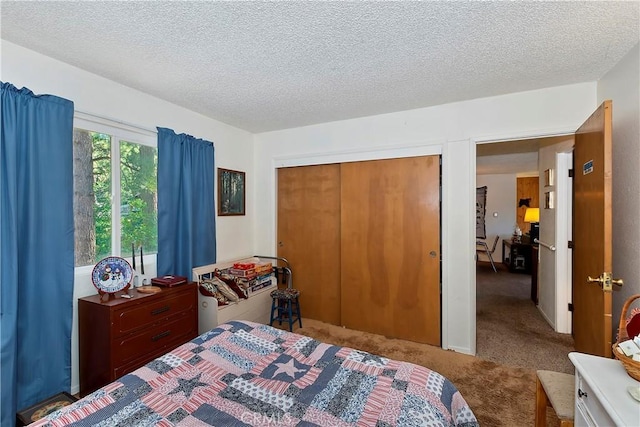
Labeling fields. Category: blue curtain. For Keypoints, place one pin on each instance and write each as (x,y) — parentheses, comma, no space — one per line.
(186,208)
(36,248)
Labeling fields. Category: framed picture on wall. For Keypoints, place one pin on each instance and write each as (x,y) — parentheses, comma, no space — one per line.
(481,210)
(231,192)
(548,177)
(549,200)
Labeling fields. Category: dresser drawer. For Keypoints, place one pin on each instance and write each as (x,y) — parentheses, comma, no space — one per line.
(176,331)
(134,318)
(587,403)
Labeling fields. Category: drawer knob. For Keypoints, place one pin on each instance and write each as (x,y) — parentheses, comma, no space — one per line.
(160,310)
(581,393)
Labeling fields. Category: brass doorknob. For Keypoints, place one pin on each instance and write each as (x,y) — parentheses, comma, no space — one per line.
(606,281)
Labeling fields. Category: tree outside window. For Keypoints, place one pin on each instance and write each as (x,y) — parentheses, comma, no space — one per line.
(110,172)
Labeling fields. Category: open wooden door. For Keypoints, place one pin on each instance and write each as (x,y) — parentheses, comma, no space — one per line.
(592,259)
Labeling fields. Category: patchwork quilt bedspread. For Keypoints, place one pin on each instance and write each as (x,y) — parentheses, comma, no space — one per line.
(244,373)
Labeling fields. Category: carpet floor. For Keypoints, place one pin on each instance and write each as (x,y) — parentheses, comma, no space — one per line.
(509,327)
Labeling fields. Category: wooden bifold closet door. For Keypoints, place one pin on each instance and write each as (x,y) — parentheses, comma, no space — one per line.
(364,238)
(309,236)
(390,269)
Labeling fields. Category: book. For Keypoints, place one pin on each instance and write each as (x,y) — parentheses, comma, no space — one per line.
(249,272)
(243,265)
(263,268)
(169,281)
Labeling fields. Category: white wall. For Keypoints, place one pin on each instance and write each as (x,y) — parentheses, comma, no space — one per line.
(622,86)
(102,97)
(454,129)
(501,199)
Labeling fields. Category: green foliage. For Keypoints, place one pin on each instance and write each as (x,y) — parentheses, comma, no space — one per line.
(138,191)
(102,190)
(138,183)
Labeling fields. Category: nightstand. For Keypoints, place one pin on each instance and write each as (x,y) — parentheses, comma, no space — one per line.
(601,397)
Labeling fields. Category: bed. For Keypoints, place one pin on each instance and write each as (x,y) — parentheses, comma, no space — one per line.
(244,373)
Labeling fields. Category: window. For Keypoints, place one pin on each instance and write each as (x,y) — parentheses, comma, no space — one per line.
(115,191)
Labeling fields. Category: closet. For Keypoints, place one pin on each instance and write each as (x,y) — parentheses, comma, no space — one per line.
(363,239)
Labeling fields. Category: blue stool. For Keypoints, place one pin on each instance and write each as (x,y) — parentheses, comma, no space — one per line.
(285,304)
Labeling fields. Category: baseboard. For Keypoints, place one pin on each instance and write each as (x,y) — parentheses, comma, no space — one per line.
(549,321)
(463,350)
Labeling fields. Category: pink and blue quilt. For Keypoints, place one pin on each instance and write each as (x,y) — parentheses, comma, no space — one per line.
(248,374)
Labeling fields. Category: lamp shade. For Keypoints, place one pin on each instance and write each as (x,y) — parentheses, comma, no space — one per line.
(532,215)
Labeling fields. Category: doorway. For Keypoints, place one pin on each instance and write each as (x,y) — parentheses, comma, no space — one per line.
(514,323)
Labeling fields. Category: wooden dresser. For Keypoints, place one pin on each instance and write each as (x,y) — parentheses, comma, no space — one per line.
(121,335)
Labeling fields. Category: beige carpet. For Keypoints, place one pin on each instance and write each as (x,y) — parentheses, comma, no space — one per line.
(499,395)
(509,327)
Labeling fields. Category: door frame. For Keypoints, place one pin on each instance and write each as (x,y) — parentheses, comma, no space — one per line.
(564,232)
(395,151)
(474,141)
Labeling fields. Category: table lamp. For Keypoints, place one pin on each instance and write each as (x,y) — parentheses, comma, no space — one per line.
(532,216)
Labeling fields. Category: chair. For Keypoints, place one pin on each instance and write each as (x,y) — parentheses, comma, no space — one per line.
(555,389)
(484,248)
(285,303)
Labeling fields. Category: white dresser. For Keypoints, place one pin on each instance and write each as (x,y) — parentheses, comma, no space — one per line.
(601,394)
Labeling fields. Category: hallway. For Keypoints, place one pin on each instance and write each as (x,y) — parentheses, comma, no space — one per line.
(509,327)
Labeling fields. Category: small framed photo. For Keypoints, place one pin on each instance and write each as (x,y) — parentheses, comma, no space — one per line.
(548,177)
(548,200)
(231,192)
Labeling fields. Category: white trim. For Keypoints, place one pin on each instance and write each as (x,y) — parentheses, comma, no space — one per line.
(130,127)
(523,135)
(463,350)
(457,253)
(519,135)
(471,240)
(564,189)
(444,250)
(115,129)
(274,184)
(545,317)
(116,197)
(424,148)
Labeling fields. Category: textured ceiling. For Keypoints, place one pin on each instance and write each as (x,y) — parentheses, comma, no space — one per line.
(271,65)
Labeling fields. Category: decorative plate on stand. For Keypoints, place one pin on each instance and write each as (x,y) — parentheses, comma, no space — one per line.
(112,274)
